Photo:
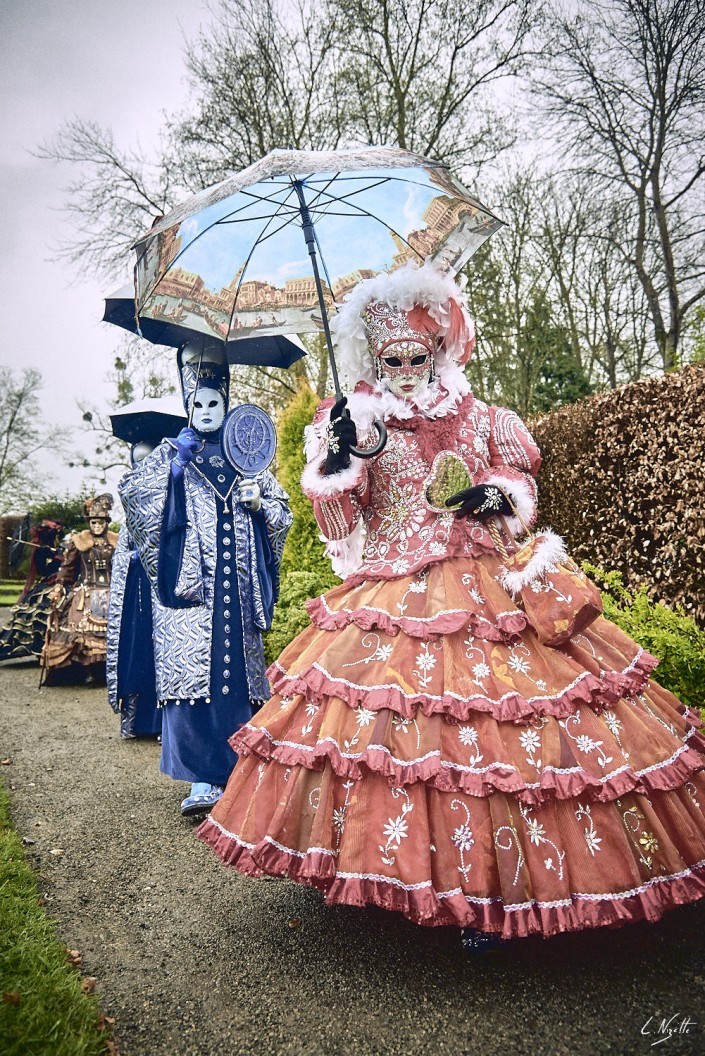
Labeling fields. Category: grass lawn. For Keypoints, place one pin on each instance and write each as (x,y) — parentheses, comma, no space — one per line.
(10,591)
(43,1009)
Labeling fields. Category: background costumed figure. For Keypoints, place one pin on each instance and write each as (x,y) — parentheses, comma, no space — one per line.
(210,543)
(131,678)
(78,623)
(26,631)
(424,750)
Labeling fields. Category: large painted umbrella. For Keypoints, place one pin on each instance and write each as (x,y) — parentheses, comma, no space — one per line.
(277,350)
(242,257)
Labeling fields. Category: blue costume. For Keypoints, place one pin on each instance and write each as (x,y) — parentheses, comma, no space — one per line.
(213,564)
(130,671)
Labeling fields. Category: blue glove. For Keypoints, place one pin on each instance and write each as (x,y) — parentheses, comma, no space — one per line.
(187,444)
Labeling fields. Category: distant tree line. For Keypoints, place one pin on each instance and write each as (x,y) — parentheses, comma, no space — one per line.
(579,122)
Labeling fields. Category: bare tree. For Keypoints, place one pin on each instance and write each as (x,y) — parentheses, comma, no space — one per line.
(138,372)
(263,75)
(625,89)
(114,196)
(23,433)
(601,301)
(421,73)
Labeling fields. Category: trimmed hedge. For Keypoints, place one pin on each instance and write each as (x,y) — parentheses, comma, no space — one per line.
(623,479)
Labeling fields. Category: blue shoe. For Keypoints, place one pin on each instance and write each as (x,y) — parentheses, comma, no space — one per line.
(476,942)
(201,798)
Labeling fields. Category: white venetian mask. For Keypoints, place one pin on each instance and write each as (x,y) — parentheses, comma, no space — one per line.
(208,410)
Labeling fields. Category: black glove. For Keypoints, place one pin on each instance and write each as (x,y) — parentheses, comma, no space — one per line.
(481,500)
(342,435)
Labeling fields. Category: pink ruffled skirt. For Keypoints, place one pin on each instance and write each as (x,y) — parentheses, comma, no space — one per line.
(424,753)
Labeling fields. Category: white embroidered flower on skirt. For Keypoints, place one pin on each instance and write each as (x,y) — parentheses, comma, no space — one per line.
(396,830)
(436,548)
(516,663)
(425,661)
(418,586)
(363,716)
(467,735)
(536,831)
(285,702)
(339,816)
(529,740)
(612,722)
(585,743)
(480,671)
(593,841)
(400,566)
(398,723)
(463,838)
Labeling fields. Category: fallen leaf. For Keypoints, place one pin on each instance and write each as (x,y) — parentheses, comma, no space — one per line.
(12,998)
(88,984)
(111,1048)
(295,922)
(74,957)
(56,851)
(5,762)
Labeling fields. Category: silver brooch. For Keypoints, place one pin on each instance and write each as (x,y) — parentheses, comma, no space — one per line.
(217,461)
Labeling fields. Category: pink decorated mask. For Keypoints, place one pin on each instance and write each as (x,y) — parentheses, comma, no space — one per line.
(406,368)
(403,346)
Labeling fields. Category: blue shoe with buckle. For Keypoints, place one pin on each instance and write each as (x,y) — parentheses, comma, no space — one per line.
(477,942)
(201,799)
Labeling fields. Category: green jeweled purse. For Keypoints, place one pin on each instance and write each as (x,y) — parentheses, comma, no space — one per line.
(448,475)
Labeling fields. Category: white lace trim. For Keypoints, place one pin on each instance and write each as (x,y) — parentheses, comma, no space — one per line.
(470,613)
(449,765)
(384,880)
(432,696)
(607,896)
(268,839)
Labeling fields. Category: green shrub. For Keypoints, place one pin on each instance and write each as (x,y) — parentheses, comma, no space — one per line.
(669,634)
(304,549)
(290,616)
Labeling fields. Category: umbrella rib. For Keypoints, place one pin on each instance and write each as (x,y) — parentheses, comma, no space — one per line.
(364,212)
(260,238)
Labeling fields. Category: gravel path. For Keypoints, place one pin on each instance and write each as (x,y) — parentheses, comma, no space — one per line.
(193,960)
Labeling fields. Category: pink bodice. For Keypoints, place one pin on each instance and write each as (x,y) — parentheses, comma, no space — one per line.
(384,502)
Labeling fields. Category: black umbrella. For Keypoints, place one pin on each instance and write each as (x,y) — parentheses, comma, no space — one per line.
(149,420)
(279,350)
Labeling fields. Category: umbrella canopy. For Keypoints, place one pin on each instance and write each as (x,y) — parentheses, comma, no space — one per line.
(232,261)
(279,350)
(148,419)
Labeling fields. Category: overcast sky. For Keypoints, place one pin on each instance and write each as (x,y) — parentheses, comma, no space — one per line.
(120,64)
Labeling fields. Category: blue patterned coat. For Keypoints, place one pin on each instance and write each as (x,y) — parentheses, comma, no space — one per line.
(182,637)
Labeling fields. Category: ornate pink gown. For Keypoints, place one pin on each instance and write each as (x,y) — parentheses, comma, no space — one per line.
(423,752)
